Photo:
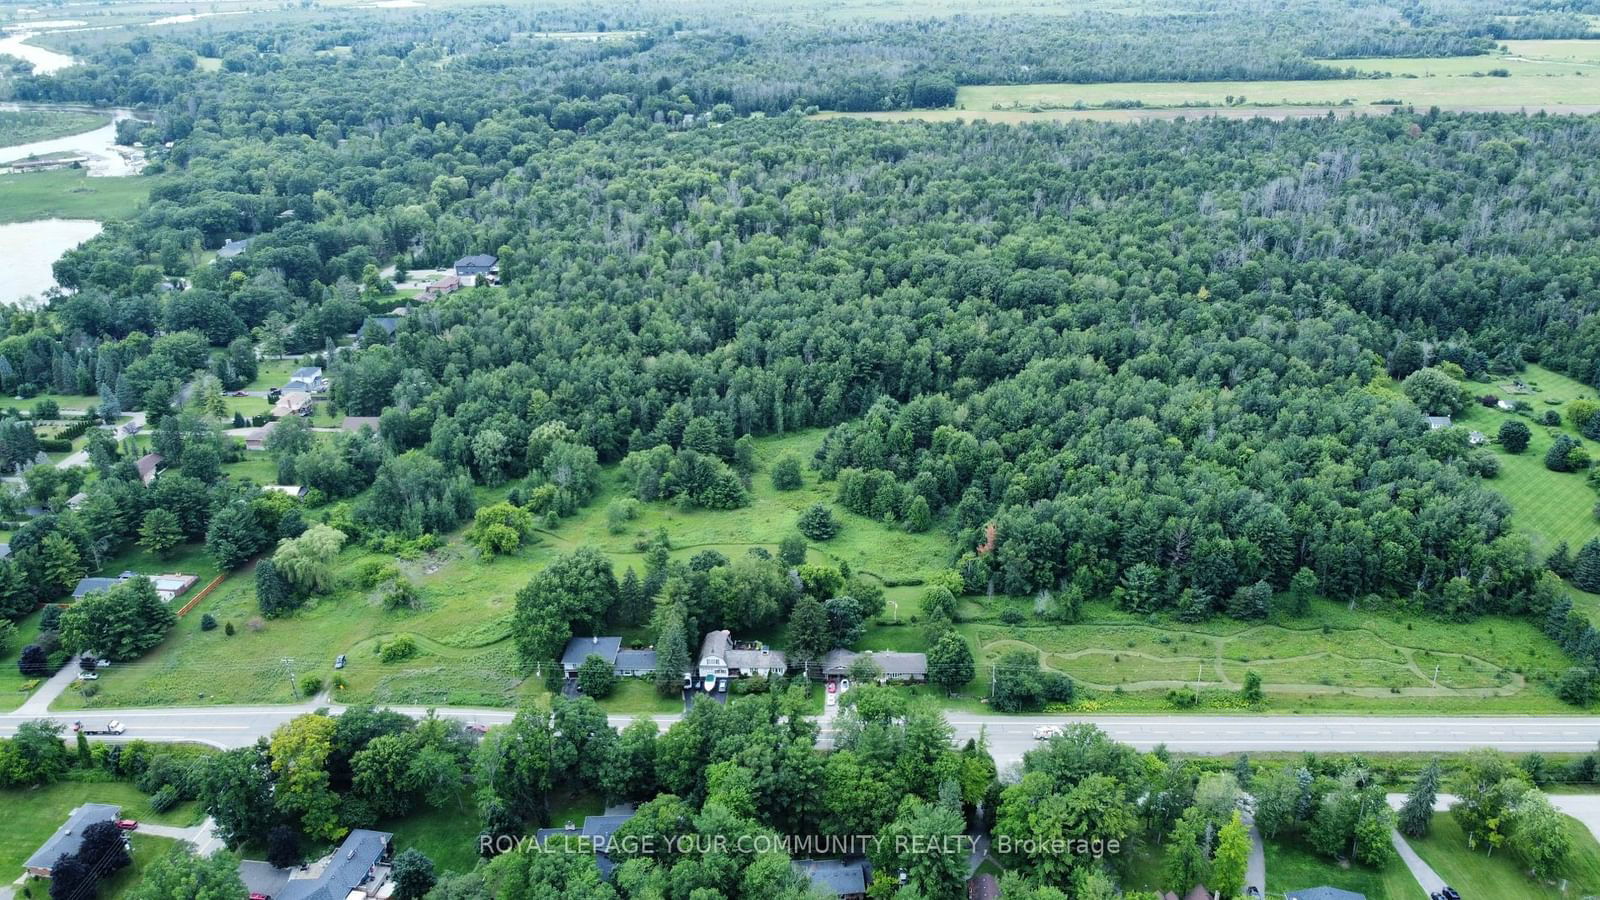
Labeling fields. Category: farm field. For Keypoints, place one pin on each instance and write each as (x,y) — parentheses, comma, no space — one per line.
(70,194)
(1476,874)
(1558,76)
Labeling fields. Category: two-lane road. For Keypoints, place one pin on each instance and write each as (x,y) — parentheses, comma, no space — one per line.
(1008,736)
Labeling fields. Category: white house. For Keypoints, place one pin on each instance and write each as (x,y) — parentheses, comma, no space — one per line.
(721,656)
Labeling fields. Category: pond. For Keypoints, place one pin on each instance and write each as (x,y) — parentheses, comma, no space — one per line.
(30,248)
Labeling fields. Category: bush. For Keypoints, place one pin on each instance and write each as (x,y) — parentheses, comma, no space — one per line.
(786,473)
(1576,686)
(818,523)
(164,799)
(310,686)
(1011,616)
(208,622)
(401,648)
(1514,436)
(1183,698)
(228,629)
(596,677)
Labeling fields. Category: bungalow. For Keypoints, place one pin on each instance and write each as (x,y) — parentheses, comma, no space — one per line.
(69,837)
(89,586)
(449,284)
(77,500)
(358,870)
(579,649)
(230,249)
(292,490)
(1437,422)
(835,877)
(256,439)
(307,379)
(634,663)
(148,465)
(895,666)
(595,834)
(481,264)
(293,403)
(1477,438)
(723,657)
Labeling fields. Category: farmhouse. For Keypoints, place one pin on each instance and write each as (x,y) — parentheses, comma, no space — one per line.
(307,379)
(69,837)
(723,657)
(835,877)
(580,649)
(895,666)
(148,465)
(358,870)
(1477,438)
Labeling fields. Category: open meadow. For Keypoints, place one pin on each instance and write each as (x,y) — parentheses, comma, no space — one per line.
(70,194)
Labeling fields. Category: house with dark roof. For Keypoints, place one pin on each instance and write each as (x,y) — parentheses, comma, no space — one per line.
(89,586)
(595,834)
(580,648)
(836,877)
(723,657)
(894,666)
(480,264)
(359,869)
(69,837)
(634,663)
(1437,422)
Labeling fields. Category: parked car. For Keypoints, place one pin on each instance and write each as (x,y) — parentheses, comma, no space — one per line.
(339,661)
(1450,893)
(238,394)
(1045,732)
(833,687)
(257,895)
(478,728)
(128,824)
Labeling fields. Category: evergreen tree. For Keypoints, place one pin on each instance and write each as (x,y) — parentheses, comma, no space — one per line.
(1514,435)
(273,594)
(1586,571)
(1416,814)
(632,605)
(818,523)
(672,657)
(809,634)
(1561,561)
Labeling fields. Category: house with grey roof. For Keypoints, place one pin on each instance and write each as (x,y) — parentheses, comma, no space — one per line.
(148,465)
(581,648)
(1437,422)
(69,837)
(89,586)
(723,657)
(1324,892)
(308,379)
(230,249)
(893,665)
(837,877)
(634,663)
(478,264)
(594,834)
(359,869)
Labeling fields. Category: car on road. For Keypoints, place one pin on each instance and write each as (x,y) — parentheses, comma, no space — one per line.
(478,728)
(339,661)
(128,824)
(238,394)
(257,895)
(1045,732)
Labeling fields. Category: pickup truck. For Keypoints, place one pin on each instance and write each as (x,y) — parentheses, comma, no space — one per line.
(112,727)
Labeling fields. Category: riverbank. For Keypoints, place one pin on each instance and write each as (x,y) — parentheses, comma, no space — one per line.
(25,125)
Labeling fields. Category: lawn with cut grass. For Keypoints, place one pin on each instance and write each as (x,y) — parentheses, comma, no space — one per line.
(448,835)
(12,682)
(1476,874)
(1291,866)
(33,814)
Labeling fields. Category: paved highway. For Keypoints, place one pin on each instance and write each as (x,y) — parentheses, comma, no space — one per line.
(1009,737)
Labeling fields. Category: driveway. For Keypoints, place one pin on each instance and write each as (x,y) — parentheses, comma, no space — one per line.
(1255,871)
(38,703)
(1426,877)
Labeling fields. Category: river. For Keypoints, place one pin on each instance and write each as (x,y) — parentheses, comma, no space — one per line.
(45,62)
(99,146)
(30,248)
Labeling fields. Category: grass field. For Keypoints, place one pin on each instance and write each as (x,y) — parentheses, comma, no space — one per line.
(1291,866)
(24,126)
(70,194)
(1475,874)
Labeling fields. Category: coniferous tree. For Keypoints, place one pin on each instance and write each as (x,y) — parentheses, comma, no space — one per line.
(1416,814)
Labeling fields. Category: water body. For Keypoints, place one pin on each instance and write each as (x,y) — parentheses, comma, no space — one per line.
(99,146)
(30,248)
(45,62)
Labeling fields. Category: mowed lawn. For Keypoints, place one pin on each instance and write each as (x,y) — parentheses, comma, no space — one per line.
(70,194)
(1476,874)
(1292,866)
(33,814)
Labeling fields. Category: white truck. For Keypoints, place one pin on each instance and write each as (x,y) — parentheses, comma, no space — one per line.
(112,727)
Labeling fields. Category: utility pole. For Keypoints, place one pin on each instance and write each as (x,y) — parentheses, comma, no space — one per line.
(288,666)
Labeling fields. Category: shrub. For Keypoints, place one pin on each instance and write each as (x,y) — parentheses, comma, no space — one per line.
(228,629)
(1183,698)
(401,648)
(208,622)
(786,473)
(596,677)
(1514,436)
(1011,616)
(310,686)
(164,799)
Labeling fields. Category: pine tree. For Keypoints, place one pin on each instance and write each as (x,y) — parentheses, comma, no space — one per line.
(632,605)
(672,658)
(1586,572)
(1416,816)
(1561,562)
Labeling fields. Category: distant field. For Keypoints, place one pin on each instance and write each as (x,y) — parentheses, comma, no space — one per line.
(1558,76)
(70,194)
(28,125)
